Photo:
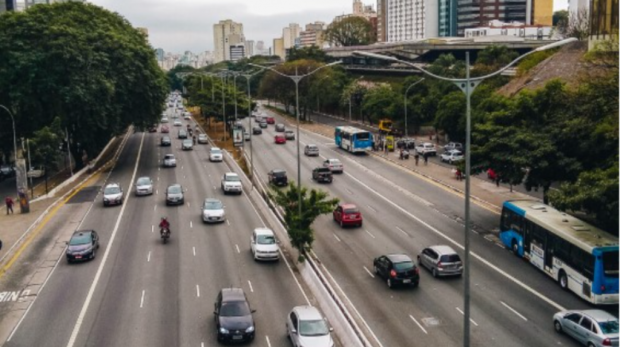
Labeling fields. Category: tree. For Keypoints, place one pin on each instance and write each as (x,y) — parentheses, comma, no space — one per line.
(174,81)
(576,25)
(559,17)
(378,102)
(450,115)
(350,31)
(313,205)
(44,147)
(309,53)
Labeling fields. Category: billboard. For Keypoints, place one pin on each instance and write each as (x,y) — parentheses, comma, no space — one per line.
(238,137)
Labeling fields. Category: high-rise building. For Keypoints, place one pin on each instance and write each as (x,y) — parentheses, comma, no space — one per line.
(159,53)
(603,22)
(278,48)
(447,25)
(289,34)
(249,48)
(382,20)
(225,34)
(7,5)
(454,16)
(542,12)
(411,20)
(237,52)
(313,35)
(260,48)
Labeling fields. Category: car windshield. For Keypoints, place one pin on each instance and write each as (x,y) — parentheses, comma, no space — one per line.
(609,327)
(232,178)
(279,174)
(213,205)
(351,210)
(169,156)
(216,151)
(182,132)
(80,239)
(335,162)
(174,189)
(312,147)
(450,258)
(202,136)
(610,263)
(313,328)
(405,265)
(187,142)
(144,181)
(234,309)
(112,190)
(265,239)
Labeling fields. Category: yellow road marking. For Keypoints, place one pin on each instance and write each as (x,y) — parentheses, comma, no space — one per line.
(49,216)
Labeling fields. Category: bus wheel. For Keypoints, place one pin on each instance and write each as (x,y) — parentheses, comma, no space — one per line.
(515,248)
(563,280)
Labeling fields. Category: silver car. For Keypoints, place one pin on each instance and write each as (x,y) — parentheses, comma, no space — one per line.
(306,327)
(174,195)
(441,261)
(112,194)
(144,186)
(215,154)
(311,150)
(187,145)
(170,160)
(202,139)
(289,134)
(231,183)
(213,211)
(593,328)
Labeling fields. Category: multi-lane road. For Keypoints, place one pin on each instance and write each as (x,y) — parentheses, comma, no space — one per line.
(140,292)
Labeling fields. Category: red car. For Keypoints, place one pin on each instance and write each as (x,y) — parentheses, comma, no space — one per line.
(348,214)
(164,129)
(280,139)
(153,129)
(271,120)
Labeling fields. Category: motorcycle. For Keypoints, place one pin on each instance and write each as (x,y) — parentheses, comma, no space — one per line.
(165,234)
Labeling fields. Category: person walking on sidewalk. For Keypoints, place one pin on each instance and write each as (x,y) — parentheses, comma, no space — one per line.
(416,157)
(425,155)
(9,204)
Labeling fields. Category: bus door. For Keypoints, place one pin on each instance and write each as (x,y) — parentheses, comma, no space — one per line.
(538,246)
(549,252)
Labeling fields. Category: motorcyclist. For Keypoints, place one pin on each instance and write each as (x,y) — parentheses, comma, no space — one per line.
(164,225)
(194,138)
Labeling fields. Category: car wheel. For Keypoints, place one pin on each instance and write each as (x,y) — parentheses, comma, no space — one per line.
(435,274)
(360,225)
(376,270)
(563,280)
(69,261)
(389,283)
(515,248)
(93,255)
(341,224)
(557,326)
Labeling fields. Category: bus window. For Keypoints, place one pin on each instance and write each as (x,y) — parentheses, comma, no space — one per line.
(610,263)
(362,136)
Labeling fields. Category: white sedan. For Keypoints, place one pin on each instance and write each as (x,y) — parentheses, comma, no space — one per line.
(334,164)
(452,156)
(177,123)
(36,172)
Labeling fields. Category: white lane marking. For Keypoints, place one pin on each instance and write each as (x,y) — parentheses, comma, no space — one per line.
(142,299)
(194,251)
(402,231)
(514,311)
(181,167)
(250,284)
(157,178)
(336,237)
(370,207)
(370,273)
(237,246)
(188,204)
(371,235)
(202,344)
(419,325)
(91,291)
(191,225)
(156,191)
(349,190)
(148,257)
(154,207)
(227,222)
(473,254)
(198,290)
(500,246)
(152,228)
(268,342)
(463,313)
(158,169)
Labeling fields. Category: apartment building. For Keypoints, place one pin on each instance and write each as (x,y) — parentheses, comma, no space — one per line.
(226,33)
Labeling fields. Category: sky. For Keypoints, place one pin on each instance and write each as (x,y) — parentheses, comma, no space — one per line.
(181,25)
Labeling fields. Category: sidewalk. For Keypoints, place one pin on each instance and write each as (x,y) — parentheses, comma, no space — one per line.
(483,191)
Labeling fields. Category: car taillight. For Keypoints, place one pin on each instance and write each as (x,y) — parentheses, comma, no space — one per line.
(392,273)
(417,271)
(607,342)
(439,264)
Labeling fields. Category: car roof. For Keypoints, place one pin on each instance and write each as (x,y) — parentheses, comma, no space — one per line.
(263,231)
(333,159)
(215,148)
(174,185)
(112,185)
(278,170)
(233,294)
(597,315)
(347,205)
(169,155)
(80,232)
(311,145)
(398,258)
(307,312)
(442,249)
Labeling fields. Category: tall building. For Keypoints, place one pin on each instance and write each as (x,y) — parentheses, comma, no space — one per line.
(411,20)
(289,34)
(542,12)
(237,52)
(260,48)
(249,48)
(225,34)
(382,20)
(278,48)
(313,35)
(7,5)
(447,26)
(454,16)
(159,53)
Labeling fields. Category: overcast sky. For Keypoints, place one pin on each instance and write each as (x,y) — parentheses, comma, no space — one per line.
(180,25)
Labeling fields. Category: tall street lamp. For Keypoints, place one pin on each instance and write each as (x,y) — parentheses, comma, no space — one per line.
(467,85)
(296,78)
(247,77)
(223,106)
(235,75)
(407,91)
(14,141)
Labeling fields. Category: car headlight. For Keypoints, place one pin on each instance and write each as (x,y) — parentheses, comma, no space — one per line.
(106,199)
(250,329)
(223,331)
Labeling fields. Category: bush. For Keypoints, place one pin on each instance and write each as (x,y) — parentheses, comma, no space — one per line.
(530,61)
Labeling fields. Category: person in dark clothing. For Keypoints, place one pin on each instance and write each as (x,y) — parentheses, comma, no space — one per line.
(9,204)
(425,155)
(417,158)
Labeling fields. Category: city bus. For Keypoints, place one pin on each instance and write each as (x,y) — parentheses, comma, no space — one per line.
(579,256)
(353,139)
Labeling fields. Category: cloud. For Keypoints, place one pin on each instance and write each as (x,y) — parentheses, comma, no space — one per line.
(181,25)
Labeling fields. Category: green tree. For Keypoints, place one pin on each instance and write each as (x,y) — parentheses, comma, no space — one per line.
(559,17)
(351,31)
(174,81)
(314,204)
(379,102)
(450,115)
(308,53)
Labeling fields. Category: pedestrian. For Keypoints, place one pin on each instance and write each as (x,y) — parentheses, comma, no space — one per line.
(425,155)
(9,204)
(385,148)
(416,157)
(458,175)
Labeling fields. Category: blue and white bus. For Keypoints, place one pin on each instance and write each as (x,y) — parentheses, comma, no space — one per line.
(581,257)
(353,139)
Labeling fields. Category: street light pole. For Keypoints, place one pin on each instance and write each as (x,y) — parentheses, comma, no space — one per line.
(296,78)
(407,91)
(247,77)
(14,141)
(223,107)
(467,85)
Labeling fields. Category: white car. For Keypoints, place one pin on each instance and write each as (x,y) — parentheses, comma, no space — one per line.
(231,183)
(426,148)
(452,156)
(36,172)
(187,145)
(263,245)
(170,160)
(144,186)
(112,194)
(334,165)
(215,154)
(213,211)
(177,123)
(202,139)
(306,327)
(164,119)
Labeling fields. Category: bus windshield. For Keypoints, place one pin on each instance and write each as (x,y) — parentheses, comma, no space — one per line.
(610,263)
(362,136)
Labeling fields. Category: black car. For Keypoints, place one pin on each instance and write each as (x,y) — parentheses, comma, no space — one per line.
(233,316)
(277,177)
(165,141)
(397,269)
(280,127)
(182,134)
(257,131)
(405,144)
(322,174)
(82,245)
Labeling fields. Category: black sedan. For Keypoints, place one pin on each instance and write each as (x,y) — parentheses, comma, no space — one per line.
(233,316)
(277,177)
(257,131)
(397,269)
(83,245)
(174,195)
(165,141)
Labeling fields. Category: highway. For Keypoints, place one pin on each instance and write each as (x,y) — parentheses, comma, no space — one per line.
(511,302)
(140,292)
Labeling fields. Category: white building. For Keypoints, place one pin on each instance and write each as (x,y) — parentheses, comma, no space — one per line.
(225,34)
(249,48)
(408,20)
(514,29)
(289,34)
(237,52)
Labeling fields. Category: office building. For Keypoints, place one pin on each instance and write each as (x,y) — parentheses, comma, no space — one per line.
(312,35)
(447,24)
(408,20)
(278,48)
(289,34)
(226,34)
(603,21)
(249,48)
(159,53)
(542,12)
(7,5)
(381,20)
(237,52)
(260,48)
(454,16)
